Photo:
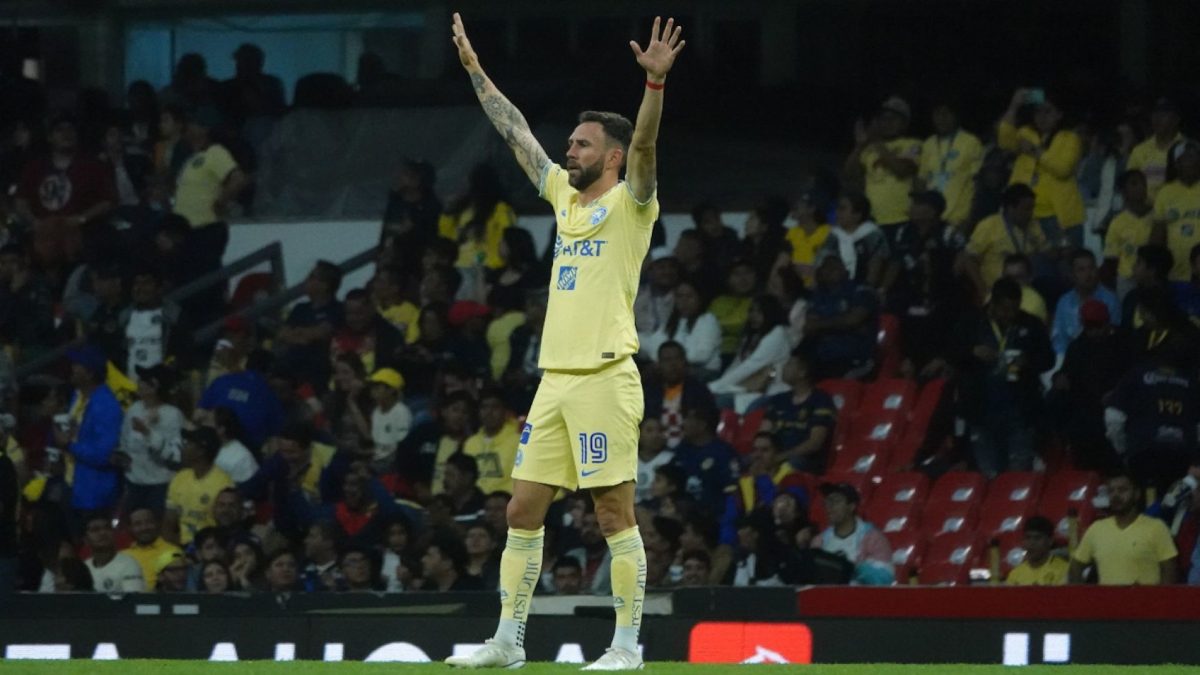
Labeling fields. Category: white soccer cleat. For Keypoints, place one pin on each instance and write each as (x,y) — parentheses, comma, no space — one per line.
(491,655)
(616,658)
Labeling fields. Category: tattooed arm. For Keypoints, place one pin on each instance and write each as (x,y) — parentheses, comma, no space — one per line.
(504,115)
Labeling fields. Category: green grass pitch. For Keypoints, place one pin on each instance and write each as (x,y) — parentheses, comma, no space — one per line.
(85,667)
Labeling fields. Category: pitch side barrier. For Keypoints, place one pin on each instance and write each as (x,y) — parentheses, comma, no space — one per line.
(1086,625)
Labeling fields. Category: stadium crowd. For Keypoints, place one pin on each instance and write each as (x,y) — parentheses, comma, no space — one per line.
(1041,276)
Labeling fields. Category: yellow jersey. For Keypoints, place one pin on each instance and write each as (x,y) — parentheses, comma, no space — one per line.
(495,456)
(1129,556)
(1052,176)
(193,498)
(804,249)
(200,182)
(597,266)
(993,240)
(446,446)
(485,249)
(949,165)
(404,317)
(1053,572)
(889,195)
(1032,303)
(1179,206)
(146,556)
(1126,234)
(1151,159)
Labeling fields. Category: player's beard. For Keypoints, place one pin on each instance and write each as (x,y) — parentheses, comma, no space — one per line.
(587,175)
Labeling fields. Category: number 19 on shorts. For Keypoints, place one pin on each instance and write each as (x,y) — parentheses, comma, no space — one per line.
(593,448)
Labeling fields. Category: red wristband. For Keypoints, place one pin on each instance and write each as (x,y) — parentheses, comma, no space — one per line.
(656,86)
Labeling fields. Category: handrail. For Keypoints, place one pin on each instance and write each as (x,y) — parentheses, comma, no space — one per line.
(280,300)
(271,253)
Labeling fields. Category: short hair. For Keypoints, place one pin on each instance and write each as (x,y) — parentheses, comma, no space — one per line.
(1015,194)
(451,548)
(672,474)
(1006,289)
(705,526)
(1158,258)
(698,555)
(567,562)
(463,462)
(709,414)
(1127,176)
(329,273)
(300,432)
(671,344)
(616,127)
(1039,525)
(329,530)
(859,202)
(669,529)
(213,533)
(1082,253)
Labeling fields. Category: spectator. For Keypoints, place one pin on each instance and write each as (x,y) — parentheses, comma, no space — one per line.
(950,158)
(1019,268)
(72,576)
(93,434)
(246,571)
(759,556)
(366,333)
(709,463)
(10,486)
(252,98)
(842,323)
(763,350)
(150,434)
(859,242)
(1003,234)
(483,561)
(701,533)
(171,572)
(388,293)
(593,553)
(1151,269)
(444,565)
(282,575)
(697,567)
(62,193)
(1067,322)
(691,325)
(1130,229)
(1164,333)
(460,482)
(1187,293)
(1152,419)
(148,544)
(885,161)
(1002,353)
(234,457)
(1128,547)
(395,547)
(521,373)
(765,243)
(807,236)
(171,150)
(652,453)
(424,452)
(215,577)
(229,514)
(568,576)
(27,313)
(733,307)
(208,545)
(1040,567)
(151,327)
(786,286)
(801,420)
(190,86)
(521,272)
(249,396)
(716,238)
(668,491)
(494,446)
(920,282)
(767,475)
(298,469)
(1177,207)
(130,170)
(101,321)
(311,324)
(421,361)
(477,220)
(410,220)
(112,571)
(673,390)
(321,553)
(851,537)
(360,569)
(390,418)
(1150,157)
(1047,157)
(656,296)
(194,489)
(1095,363)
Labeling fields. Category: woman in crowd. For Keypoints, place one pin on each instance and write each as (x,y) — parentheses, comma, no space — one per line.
(693,326)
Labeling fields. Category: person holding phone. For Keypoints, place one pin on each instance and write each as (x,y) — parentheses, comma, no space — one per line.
(1047,158)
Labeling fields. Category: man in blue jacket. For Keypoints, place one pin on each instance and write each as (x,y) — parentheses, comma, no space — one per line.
(93,434)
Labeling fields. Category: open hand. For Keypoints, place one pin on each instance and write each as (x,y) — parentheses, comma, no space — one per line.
(660,53)
(466,53)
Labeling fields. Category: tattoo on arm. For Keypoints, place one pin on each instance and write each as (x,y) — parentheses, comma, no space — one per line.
(512,126)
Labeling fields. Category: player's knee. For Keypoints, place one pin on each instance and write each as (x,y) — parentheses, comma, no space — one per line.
(524,515)
(614,517)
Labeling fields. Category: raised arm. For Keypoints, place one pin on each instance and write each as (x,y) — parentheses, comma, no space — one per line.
(504,115)
(656,59)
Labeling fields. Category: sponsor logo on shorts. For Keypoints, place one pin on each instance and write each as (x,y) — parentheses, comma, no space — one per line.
(585,474)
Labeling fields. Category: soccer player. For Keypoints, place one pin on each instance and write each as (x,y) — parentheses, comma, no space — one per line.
(582,430)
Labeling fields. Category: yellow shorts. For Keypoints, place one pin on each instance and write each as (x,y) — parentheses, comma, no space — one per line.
(582,429)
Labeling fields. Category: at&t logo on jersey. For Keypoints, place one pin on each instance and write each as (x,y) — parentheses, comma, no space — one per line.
(584,248)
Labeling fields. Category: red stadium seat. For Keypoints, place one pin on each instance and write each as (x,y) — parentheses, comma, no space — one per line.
(893,517)
(861,457)
(890,394)
(748,429)
(1066,491)
(904,488)
(958,486)
(888,340)
(1012,498)
(846,394)
(944,517)
(727,430)
(908,548)
(950,557)
(1012,551)
(926,405)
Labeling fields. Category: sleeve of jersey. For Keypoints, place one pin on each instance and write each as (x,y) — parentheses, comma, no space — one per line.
(221,162)
(553,183)
(647,210)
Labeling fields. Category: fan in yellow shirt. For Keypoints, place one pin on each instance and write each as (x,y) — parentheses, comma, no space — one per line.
(1018,268)
(1178,207)
(387,290)
(1130,229)
(494,446)
(1001,235)
(147,545)
(950,158)
(807,236)
(884,161)
(194,489)
(1047,157)
(1128,548)
(1150,156)
(478,221)
(1039,568)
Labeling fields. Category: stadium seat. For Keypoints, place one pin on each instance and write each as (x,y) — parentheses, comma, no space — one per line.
(945,517)
(1066,491)
(862,457)
(949,558)
(908,549)
(1012,551)
(846,394)
(905,488)
(747,430)
(889,394)
(958,486)
(861,482)
(892,517)
(926,405)
(888,341)
(727,430)
(1011,499)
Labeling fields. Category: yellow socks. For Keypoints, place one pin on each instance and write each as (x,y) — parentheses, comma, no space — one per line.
(628,585)
(520,571)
